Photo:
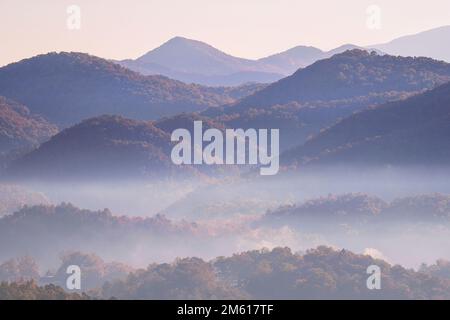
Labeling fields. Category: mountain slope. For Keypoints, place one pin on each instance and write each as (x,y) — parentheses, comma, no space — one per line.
(320,273)
(351,74)
(69,87)
(106,147)
(21,129)
(319,95)
(192,56)
(410,132)
(432,43)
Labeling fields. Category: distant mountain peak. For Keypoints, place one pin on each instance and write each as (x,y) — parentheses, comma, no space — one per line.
(430,43)
(179,41)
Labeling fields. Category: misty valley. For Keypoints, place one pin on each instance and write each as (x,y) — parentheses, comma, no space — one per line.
(327,169)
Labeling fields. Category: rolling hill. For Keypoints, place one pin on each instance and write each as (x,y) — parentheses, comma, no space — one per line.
(414,131)
(111,147)
(106,147)
(20,129)
(66,88)
(351,74)
(319,95)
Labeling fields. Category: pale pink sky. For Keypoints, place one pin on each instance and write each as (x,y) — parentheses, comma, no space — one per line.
(122,29)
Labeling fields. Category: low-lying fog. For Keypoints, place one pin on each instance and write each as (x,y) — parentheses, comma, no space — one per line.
(229,216)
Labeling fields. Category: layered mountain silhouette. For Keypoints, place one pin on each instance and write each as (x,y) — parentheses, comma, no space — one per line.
(300,105)
(361,208)
(110,147)
(289,61)
(102,147)
(49,230)
(66,88)
(317,96)
(431,43)
(353,73)
(414,131)
(194,61)
(20,129)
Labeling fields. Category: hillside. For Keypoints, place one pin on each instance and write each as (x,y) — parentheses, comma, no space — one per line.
(321,273)
(360,208)
(32,291)
(106,147)
(409,132)
(351,74)
(19,129)
(46,231)
(318,96)
(68,87)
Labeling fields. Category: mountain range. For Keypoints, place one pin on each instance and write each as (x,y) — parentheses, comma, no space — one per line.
(66,88)
(193,61)
(103,147)
(352,74)
(20,129)
(414,131)
(317,96)
(301,106)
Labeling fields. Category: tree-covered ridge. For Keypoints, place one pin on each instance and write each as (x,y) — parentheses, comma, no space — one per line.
(111,147)
(318,96)
(19,128)
(408,132)
(19,269)
(321,273)
(359,207)
(439,269)
(30,290)
(189,278)
(69,87)
(352,74)
(46,231)
(106,147)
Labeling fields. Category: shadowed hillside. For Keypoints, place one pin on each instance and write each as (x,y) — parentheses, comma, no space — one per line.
(106,147)
(352,74)
(410,132)
(20,129)
(69,87)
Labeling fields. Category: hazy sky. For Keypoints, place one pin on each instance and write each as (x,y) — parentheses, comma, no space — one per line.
(248,28)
